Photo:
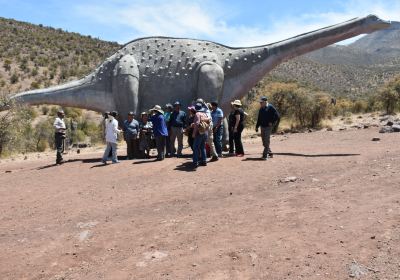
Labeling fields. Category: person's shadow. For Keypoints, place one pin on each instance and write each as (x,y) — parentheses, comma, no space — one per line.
(185,166)
(301,155)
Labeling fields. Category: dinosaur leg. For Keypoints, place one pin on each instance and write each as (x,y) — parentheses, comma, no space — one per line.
(125,86)
(210,82)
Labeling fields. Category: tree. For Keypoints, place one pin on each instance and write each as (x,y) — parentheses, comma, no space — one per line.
(14,120)
(7,65)
(390,96)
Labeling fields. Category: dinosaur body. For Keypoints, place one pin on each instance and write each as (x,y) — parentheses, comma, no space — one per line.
(158,70)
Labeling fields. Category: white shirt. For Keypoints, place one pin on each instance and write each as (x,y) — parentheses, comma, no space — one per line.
(59,125)
(112,130)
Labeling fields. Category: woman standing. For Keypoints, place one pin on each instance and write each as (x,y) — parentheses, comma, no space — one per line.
(146,135)
(159,130)
(189,127)
(238,127)
(201,124)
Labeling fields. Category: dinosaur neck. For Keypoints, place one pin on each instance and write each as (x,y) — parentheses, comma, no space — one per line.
(258,61)
(83,94)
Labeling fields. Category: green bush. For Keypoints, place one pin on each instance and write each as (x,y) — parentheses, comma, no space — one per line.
(389,96)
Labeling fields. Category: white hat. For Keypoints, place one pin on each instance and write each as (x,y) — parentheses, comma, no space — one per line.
(237,102)
(158,109)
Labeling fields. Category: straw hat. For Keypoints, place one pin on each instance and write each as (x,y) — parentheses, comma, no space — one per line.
(237,102)
(158,109)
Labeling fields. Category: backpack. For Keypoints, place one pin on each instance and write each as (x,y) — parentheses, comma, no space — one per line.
(204,125)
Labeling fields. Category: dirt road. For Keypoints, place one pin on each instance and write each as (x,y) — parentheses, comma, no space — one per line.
(327,206)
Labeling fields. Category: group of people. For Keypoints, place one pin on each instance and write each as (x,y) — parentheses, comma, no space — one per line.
(202,123)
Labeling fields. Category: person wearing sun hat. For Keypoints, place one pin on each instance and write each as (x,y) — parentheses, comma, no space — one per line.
(159,130)
(238,127)
(60,128)
(210,138)
(200,130)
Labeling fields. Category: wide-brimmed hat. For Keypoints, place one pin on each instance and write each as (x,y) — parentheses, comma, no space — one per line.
(199,107)
(263,99)
(237,102)
(158,109)
(168,105)
(177,103)
(61,112)
(114,114)
(144,113)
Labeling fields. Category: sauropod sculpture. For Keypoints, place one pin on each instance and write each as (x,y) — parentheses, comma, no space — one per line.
(158,70)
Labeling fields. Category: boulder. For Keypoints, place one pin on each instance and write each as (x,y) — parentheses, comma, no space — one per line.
(386,129)
(396,128)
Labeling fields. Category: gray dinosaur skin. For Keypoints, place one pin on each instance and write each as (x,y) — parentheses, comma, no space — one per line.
(159,70)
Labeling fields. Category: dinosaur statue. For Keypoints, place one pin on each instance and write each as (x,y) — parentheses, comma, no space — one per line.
(158,70)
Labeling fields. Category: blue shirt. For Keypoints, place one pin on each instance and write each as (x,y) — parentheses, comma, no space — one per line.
(159,125)
(216,115)
(177,119)
(131,129)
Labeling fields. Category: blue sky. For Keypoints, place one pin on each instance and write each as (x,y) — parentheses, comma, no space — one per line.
(235,23)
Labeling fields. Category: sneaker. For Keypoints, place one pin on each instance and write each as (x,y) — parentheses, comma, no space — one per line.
(203,163)
(264,158)
(103,161)
(240,155)
(271,155)
(214,158)
(195,165)
(115,162)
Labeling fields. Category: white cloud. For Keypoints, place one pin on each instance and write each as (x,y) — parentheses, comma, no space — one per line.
(179,18)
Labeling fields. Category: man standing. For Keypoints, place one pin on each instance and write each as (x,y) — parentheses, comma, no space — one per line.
(200,130)
(167,116)
(217,117)
(210,136)
(176,125)
(131,130)
(159,130)
(267,117)
(112,131)
(60,129)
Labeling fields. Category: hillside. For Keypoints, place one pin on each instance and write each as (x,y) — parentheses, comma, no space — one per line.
(355,70)
(33,56)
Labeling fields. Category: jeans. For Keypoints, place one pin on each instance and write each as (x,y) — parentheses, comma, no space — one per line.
(113,147)
(176,132)
(160,144)
(218,140)
(237,137)
(199,148)
(59,141)
(265,136)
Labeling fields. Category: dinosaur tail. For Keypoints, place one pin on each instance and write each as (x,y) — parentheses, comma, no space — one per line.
(81,94)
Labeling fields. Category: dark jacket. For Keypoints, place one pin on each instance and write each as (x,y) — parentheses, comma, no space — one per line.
(267,115)
(177,119)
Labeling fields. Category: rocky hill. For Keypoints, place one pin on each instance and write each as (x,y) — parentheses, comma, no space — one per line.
(356,70)
(34,56)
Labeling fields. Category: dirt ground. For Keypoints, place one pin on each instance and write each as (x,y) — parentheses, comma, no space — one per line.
(327,206)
